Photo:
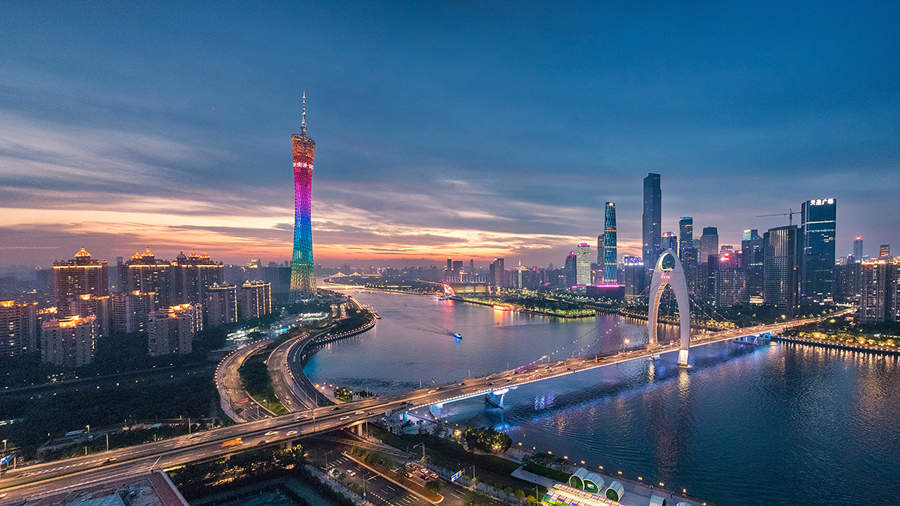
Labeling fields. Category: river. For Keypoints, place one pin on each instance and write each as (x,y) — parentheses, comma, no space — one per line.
(782,423)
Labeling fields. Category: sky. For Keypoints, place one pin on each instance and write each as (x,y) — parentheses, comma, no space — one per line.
(443,129)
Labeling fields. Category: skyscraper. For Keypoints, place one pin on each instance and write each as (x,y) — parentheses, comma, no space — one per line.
(634,276)
(68,342)
(610,253)
(817,234)
(303,277)
(875,290)
(651,220)
(685,233)
(780,267)
(18,328)
(752,264)
(221,305)
(884,251)
(583,264)
(571,270)
(709,243)
(858,248)
(669,240)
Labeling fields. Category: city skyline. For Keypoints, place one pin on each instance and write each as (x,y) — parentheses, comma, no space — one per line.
(196,164)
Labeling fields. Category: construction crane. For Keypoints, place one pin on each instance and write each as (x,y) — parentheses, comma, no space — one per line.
(790,214)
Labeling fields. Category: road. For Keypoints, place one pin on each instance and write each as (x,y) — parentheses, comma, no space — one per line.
(235,401)
(31,480)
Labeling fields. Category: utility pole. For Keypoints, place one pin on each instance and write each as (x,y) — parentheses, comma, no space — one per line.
(189,426)
(107,441)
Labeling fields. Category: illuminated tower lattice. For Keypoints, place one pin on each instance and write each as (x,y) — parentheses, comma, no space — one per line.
(303,277)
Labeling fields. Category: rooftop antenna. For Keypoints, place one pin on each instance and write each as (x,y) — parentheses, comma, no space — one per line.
(303,116)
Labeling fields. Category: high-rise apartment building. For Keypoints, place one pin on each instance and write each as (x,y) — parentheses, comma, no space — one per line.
(100,307)
(709,243)
(221,305)
(858,248)
(18,328)
(171,330)
(780,282)
(884,251)
(752,265)
(730,282)
(583,264)
(818,219)
(685,233)
(303,277)
(876,290)
(144,273)
(70,341)
(193,274)
(254,300)
(131,311)
(81,275)
(651,220)
(610,251)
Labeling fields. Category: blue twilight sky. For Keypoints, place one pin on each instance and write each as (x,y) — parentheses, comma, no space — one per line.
(468,129)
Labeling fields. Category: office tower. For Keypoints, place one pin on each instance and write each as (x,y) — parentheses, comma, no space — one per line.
(583,264)
(669,240)
(571,270)
(690,264)
(884,251)
(171,330)
(221,305)
(100,307)
(730,283)
(709,243)
(752,265)
(70,341)
(634,277)
(18,328)
(254,300)
(817,235)
(144,273)
(685,233)
(780,267)
(876,290)
(471,266)
(497,272)
(81,275)
(303,278)
(193,274)
(449,265)
(858,248)
(610,251)
(651,220)
(457,267)
(600,249)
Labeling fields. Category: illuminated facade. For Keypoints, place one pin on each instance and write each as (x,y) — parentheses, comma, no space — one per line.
(69,342)
(610,254)
(583,264)
(254,299)
(171,330)
(817,235)
(18,328)
(303,277)
(81,275)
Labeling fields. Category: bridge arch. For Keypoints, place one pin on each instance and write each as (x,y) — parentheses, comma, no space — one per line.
(673,277)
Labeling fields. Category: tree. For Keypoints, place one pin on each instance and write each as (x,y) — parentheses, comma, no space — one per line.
(434,486)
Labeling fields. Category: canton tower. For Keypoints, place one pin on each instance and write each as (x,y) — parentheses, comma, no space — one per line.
(303,277)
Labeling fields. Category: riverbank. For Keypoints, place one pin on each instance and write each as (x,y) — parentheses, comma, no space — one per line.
(511,306)
(868,348)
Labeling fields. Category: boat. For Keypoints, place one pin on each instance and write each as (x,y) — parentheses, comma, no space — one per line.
(445,297)
(457,335)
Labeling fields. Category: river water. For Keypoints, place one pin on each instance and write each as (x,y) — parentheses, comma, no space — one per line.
(783,423)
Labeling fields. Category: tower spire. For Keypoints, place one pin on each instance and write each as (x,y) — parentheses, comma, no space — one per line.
(303,116)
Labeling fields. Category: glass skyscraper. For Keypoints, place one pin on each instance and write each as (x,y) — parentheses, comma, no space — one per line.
(685,233)
(651,220)
(817,235)
(610,255)
(780,267)
(303,277)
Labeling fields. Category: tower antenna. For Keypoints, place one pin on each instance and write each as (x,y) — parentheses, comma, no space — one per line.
(303,116)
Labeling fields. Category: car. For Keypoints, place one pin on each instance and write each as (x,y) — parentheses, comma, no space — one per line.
(261,442)
(291,433)
(336,408)
(359,412)
(300,417)
(271,432)
(344,418)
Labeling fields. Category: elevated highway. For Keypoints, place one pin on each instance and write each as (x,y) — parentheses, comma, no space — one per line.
(34,480)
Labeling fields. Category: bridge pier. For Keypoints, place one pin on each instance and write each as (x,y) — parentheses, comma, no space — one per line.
(674,278)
